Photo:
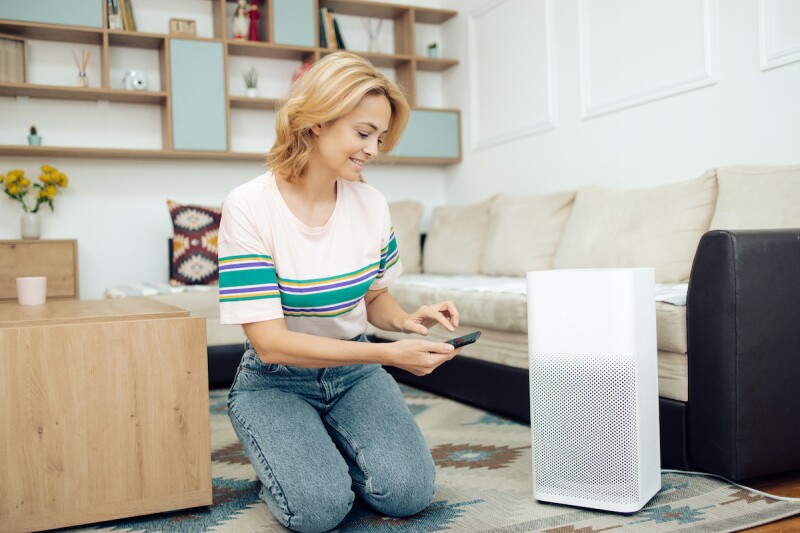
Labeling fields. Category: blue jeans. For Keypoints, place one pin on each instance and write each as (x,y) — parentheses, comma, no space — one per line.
(316,436)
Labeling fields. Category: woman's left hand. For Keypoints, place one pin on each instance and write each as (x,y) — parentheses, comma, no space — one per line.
(444,313)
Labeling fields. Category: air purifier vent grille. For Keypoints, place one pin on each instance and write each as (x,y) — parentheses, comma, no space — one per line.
(584,426)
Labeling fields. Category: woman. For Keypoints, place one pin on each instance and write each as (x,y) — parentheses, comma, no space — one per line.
(307,252)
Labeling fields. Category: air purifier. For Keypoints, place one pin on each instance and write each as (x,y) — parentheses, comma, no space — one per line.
(594,387)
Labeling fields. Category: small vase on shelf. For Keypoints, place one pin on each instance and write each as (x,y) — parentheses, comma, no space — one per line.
(83,79)
(251,92)
(34,139)
(30,226)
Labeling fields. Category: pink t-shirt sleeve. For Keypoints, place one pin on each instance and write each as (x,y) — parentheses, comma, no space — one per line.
(248,285)
(390,264)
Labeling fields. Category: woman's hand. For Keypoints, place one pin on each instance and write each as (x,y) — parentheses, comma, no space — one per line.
(444,313)
(418,356)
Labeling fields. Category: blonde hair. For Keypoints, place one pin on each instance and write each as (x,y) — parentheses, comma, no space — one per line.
(331,88)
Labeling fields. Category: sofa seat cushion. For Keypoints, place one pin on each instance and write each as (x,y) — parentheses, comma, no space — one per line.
(511,349)
(500,303)
(483,301)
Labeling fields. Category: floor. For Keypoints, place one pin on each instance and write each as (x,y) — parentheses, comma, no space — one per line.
(783,485)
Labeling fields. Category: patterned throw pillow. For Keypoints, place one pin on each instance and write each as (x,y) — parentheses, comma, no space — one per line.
(194,244)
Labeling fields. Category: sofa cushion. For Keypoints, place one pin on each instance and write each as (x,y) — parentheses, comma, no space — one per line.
(194,243)
(757,197)
(524,233)
(456,239)
(657,227)
(406,217)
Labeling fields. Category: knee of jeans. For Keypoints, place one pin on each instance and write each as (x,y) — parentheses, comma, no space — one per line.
(320,510)
(401,494)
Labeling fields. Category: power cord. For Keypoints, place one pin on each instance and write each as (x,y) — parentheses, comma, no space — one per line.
(690,473)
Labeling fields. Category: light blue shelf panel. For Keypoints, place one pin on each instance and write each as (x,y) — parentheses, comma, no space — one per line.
(66,12)
(430,134)
(197,79)
(294,22)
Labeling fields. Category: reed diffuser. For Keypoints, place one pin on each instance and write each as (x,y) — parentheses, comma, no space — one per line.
(83,79)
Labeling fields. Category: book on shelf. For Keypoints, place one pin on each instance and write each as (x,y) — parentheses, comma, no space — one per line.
(126,10)
(339,41)
(12,59)
(329,34)
(323,16)
(114,15)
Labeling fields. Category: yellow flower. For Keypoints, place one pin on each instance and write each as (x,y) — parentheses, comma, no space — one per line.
(24,182)
(51,191)
(13,188)
(2,178)
(14,175)
(41,193)
(62,179)
(47,169)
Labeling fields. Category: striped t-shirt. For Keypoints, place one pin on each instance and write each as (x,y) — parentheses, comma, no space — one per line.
(272,265)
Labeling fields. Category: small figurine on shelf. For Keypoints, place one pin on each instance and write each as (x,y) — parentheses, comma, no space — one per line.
(252,12)
(240,22)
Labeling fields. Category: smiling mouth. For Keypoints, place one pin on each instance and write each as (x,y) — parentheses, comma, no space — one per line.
(358,162)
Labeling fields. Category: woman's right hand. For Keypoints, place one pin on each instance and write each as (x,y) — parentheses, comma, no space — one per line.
(420,357)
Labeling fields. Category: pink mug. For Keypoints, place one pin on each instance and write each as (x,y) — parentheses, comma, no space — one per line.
(32,291)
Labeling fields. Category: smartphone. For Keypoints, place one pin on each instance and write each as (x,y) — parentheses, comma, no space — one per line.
(469,338)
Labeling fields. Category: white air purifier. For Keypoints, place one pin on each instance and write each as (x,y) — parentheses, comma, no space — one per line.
(594,387)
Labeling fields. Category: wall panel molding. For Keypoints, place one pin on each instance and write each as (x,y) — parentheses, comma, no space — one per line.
(770,55)
(592,107)
(542,123)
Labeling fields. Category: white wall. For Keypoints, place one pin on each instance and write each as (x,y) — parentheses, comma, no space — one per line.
(660,91)
(116,208)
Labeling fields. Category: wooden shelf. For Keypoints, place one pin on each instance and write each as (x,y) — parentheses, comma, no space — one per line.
(52,32)
(405,64)
(431,64)
(128,153)
(136,39)
(377,59)
(424,15)
(82,93)
(269,50)
(246,102)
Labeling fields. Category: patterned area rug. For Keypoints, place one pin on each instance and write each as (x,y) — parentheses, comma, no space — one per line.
(484,484)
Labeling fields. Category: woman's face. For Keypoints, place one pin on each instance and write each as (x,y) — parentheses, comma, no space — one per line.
(345,145)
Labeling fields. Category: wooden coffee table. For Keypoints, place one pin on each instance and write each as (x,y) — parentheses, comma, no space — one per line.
(103,412)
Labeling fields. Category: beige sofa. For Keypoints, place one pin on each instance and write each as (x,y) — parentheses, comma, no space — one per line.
(477,255)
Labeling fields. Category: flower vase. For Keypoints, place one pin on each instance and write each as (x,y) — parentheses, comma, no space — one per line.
(35,140)
(30,226)
(83,79)
(251,92)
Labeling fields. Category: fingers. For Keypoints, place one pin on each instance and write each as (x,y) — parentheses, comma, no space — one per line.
(447,315)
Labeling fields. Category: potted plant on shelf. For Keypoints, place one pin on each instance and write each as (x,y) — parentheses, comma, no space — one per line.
(251,82)
(34,139)
(17,187)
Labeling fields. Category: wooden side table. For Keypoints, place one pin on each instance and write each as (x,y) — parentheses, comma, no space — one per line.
(105,412)
(55,259)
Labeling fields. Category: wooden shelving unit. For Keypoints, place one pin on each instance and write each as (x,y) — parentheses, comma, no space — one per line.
(405,62)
